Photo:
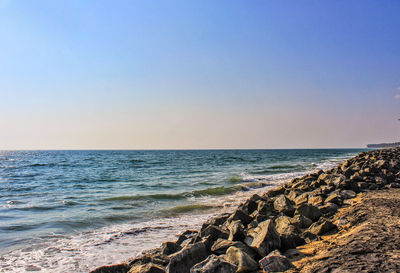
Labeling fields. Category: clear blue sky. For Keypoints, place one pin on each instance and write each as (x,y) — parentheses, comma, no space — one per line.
(198,74)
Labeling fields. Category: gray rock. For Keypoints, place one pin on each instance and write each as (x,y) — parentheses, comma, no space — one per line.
(275,262)
(240,215)
(348,194)
(283,205)
(321,227)
(214,264)
(334,197)
(182,261)
(185,236)
(216,221)
(169,248)
(277,191)
(221,246)
(214,232)
(308,237)
(240,258)
(288,232)
(308,211)
(263,238)
(329,209)
(301,221)
(236,231)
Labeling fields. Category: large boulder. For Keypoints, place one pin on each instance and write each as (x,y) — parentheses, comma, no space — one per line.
(283,205)
(329,209)
(321,227)
(275,262)
(288,232)
(214,264)
(308,211)
(240,215)
(301,199)
(334,197)
(169,248)
(263,238)
(182,261)
(236,231)
(214,233)
(240,258)
(221,246)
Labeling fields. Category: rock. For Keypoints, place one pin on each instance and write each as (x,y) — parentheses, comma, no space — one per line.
(263,238)
(321,227)
(251,204)
(221,246)
(323,177)
(308,237)
(293,194)
(265,208)
(328,209)
(236,231)
(147,268)
(301,221)
(356,177)
(182,261)
(243,261)
(283,205)
(277,191)
(185,236)
(116,268)
(348,194)
(214,264)
(154,256)
(213,233)
(334,197)
(394,185)
(337,180)
(168,248)
(301,199)
(240,215)
(288,233)
(308,211)
(379,164)
(275,262)
(315,200)
(216,221)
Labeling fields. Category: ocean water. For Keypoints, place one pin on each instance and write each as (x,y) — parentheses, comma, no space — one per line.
(71,211)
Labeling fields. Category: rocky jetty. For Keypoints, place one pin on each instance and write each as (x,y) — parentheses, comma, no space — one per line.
(266,233)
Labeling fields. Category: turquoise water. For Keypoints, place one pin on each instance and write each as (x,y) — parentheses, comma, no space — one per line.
(67,210)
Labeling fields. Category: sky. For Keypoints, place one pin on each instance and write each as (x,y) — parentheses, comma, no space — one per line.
(198,74)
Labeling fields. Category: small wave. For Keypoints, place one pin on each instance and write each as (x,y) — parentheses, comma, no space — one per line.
(285,166)
(188,208)
(217,191)
(235,179)
(145,197)
(69,203)
(38,208)
(13,202)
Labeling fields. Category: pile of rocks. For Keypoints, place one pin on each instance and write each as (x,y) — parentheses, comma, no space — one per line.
(256,236)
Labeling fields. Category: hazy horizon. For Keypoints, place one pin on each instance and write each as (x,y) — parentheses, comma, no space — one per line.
(95,75)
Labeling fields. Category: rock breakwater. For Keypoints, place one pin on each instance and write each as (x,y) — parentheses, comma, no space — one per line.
(264,233)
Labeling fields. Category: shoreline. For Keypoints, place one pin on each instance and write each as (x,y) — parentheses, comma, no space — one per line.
(259,233)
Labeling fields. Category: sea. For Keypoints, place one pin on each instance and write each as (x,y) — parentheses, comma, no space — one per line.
(73,211)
